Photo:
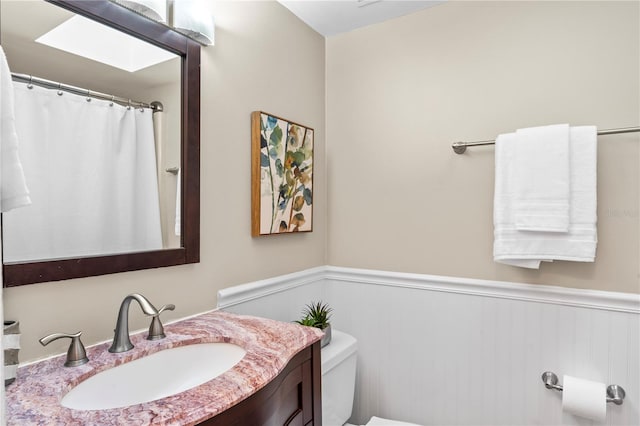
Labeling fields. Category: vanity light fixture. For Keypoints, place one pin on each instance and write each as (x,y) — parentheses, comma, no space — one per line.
(192,18)
(364,3)
(90,39)
(152,9)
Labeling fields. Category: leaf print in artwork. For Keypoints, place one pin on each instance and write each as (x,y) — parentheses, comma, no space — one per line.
(307,196)
(297,221)
(286,177)
(298,203)
(276,137)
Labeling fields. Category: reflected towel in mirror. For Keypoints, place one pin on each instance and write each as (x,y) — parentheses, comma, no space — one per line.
(13,189)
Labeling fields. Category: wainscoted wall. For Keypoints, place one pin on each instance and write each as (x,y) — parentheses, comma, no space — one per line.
(456,351)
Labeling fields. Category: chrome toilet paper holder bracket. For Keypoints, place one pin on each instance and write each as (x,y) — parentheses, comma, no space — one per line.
(615,393)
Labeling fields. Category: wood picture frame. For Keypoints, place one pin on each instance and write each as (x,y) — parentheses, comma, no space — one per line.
(281,175)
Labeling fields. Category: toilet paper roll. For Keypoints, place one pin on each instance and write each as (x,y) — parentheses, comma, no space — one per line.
(584,398)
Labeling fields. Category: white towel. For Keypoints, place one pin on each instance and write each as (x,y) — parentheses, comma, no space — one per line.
(542,178)
(13,189)
(528,248)
(504,201)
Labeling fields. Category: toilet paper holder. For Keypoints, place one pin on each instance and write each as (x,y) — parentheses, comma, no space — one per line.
(615,393)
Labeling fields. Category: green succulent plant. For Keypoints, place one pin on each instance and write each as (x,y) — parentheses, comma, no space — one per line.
(308,321)
(316,314)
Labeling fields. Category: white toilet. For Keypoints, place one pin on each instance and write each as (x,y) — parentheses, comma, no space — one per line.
(339,382)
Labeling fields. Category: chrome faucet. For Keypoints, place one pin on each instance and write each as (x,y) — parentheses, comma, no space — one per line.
(76,355)
(121,340)
(156,329)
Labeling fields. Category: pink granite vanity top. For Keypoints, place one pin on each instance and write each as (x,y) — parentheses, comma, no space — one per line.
(34,398)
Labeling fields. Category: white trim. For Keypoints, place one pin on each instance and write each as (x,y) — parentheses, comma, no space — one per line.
(593,299)
(245,292)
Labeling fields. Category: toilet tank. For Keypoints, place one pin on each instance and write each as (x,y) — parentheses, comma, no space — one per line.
(338,378)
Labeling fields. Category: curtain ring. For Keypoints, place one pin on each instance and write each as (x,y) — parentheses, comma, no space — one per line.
(112,99)
(30,84)
(60,92)
(88,95)
(129,104)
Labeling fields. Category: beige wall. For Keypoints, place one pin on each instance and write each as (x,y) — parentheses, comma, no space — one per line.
(399,93)
(264,59)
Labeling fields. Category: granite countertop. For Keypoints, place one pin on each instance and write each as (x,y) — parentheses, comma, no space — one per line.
(34,398)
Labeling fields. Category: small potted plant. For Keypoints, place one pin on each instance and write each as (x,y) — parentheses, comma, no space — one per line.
(317,314)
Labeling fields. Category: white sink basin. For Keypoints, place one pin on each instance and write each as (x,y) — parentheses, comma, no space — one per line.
(155,376)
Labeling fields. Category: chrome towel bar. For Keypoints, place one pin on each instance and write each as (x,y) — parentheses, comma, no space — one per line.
(615,393)
(461,147)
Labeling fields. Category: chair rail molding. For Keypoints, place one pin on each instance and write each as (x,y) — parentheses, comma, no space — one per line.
(593,299)
(238,294)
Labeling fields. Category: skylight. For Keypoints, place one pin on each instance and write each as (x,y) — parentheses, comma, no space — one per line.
(84,37)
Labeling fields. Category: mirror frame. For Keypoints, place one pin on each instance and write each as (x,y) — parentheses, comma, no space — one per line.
(118,17)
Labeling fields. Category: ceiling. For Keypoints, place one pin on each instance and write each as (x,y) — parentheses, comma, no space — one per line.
(339,16)
(326,17)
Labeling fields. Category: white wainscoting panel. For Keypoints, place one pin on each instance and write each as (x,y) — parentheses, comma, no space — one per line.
(453,351)
(281,298)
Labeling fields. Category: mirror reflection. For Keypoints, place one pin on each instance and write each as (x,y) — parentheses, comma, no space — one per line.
(101,163)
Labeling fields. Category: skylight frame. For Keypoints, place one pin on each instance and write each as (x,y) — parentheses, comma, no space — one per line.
(92,40)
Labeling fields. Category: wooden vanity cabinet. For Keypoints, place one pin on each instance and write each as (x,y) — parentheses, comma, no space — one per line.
(293,398)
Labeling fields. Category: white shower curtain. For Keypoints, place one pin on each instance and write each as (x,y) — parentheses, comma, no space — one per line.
(91,170)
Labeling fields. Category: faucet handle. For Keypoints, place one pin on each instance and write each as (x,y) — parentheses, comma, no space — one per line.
(156,330)
(76,355)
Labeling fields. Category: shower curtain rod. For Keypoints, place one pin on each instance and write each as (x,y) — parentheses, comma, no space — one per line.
(461,147)
(31,80)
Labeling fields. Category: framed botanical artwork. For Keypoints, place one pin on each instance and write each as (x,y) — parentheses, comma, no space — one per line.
(281,175)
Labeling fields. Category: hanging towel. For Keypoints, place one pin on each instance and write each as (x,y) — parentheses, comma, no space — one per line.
(542,178)
(13,189)
(528,248)
(504,201)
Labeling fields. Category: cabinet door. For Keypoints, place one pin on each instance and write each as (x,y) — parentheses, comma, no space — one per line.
(286,405)
(288,400)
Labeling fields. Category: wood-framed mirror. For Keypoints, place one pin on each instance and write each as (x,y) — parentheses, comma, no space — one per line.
(188,250)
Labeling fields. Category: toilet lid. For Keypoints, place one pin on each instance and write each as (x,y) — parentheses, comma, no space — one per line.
(378,421)
(342,346)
